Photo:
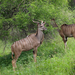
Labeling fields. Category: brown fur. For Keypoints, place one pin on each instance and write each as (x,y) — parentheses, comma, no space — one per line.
(32,41)
(66,31)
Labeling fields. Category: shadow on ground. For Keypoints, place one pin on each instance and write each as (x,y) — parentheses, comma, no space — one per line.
(6,59)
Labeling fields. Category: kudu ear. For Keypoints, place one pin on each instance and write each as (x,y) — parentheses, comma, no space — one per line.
(44,23)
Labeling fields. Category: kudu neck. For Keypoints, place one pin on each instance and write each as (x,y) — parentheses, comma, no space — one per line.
(39,34)
(56,26)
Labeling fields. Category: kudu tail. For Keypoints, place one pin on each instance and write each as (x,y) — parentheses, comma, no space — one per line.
(12,55)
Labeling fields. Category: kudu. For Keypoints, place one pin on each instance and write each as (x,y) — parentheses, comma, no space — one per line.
(65,31)
(32,41)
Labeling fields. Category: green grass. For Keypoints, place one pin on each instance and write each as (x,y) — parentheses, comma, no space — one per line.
(51,59)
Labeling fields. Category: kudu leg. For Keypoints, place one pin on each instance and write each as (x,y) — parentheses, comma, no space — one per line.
(65,42)
(34,54)
(14,64)
(14,60)
(73,35)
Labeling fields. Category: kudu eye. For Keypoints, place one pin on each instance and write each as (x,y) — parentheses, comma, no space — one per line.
(40,26)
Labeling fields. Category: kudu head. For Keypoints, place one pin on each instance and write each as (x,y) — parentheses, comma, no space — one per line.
(41,26)
(54,23)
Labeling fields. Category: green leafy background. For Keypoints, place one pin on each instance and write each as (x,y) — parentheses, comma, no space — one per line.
(16,23)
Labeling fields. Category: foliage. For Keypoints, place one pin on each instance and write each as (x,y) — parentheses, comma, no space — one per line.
(16,22)
(19,14)
(51,60)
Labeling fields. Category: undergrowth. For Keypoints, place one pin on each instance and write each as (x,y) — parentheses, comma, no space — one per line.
(51,60)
